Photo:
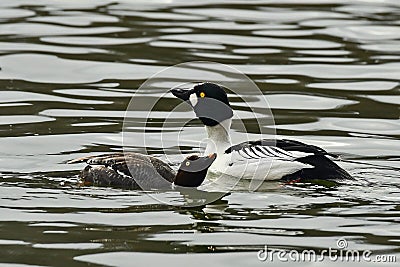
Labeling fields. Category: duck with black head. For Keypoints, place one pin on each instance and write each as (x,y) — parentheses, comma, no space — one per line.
(139,171)
(265,159)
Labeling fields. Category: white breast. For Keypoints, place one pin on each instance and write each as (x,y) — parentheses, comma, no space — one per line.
(255,162)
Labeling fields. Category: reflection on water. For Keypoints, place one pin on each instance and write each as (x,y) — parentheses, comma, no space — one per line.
(330,71)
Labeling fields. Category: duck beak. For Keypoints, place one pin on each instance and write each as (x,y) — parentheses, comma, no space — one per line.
(182,93)
(210,159)
(212,156)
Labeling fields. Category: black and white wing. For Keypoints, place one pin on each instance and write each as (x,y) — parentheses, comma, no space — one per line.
(269,159)
(290,159)
(277,149)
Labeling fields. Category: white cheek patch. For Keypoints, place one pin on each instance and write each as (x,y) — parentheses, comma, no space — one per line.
(193,99)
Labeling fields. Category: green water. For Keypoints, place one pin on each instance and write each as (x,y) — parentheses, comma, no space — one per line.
(329,69)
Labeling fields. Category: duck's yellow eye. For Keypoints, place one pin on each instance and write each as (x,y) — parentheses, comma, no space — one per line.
(202,94)
(187,163)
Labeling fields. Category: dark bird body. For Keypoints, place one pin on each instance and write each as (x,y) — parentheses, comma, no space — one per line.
(138,171)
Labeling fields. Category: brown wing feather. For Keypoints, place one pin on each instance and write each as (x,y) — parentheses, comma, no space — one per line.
(123,170)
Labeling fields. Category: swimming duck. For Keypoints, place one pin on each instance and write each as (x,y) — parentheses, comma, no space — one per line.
(266,159)
(139,171)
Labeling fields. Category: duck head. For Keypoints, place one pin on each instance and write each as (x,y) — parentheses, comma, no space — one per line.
(193,170)
(208,100)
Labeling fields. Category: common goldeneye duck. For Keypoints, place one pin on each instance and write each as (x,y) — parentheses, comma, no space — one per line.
(139,171)
(265,159)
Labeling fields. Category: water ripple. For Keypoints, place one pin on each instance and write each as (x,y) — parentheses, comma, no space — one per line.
(328,68)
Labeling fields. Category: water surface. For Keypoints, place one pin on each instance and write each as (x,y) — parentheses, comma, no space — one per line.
(330,70)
